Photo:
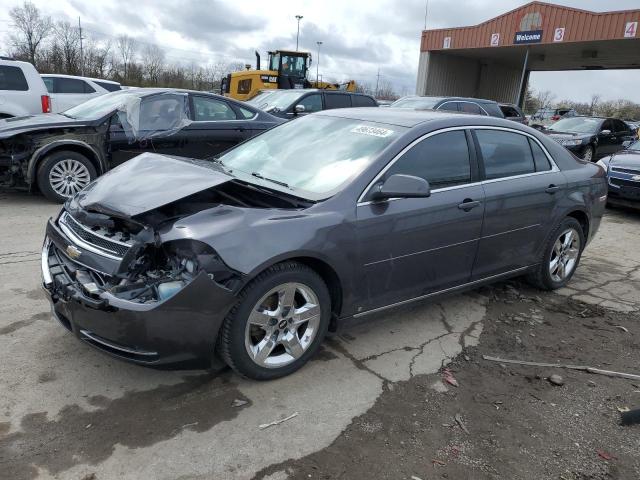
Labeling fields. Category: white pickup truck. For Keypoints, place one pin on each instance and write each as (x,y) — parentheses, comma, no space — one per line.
(22,91)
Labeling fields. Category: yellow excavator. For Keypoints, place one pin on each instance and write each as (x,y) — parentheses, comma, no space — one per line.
(287,70)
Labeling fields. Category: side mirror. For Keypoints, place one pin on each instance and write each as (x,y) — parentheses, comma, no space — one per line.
(299,109)
(604,133)
(402,186)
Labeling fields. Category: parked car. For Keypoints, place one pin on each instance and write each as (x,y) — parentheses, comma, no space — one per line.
(634,125)
(338,214)
(591,138)
(514,113)
(62,153)
(477,106)
(22,91)
(67,91)
(623,176)
(547,116)
(291,103)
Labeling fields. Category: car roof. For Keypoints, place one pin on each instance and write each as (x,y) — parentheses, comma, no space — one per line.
(468,99)
(400,116)
(79,77)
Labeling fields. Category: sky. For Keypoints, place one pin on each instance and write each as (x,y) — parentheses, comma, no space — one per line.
(360,38)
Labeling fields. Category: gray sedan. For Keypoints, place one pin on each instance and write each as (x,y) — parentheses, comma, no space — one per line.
(254,257)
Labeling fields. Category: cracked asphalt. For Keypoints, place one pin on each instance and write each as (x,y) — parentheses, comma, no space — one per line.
(67,411)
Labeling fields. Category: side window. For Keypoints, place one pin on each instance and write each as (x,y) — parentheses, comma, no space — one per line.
(469,107)
(620,127)
(70,85)
(244,86)
(450,106)
(509,112)
(211,110)
(88,88)
(442,160)
(161,112)
(311,103)
(505,154)
(607,125)
(246,113)
(363,101)
(539,158)
(109,87)
(12,78)
(337,100)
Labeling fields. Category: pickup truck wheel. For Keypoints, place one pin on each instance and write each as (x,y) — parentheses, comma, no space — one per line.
(561,256)
(63,174)
(278,323)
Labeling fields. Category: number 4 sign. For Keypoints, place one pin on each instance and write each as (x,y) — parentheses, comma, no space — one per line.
(558,35)
(630,29)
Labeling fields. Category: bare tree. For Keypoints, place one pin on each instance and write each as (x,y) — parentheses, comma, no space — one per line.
(127,48)
(544,98)
(386,90)
(153,63)
(30,28)
(595,100)
(68,38)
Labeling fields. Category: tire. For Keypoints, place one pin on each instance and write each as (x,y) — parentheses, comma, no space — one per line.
(545,276)
(62,174)
(253,345)
(587,155)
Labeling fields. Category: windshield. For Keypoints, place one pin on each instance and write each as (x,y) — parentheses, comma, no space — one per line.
(293,66)
(416,102)
(100,106)
(635,146)
(314,154)
(576,125)
(279,100)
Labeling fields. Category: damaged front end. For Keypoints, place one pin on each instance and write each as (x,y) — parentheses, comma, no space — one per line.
(115,284)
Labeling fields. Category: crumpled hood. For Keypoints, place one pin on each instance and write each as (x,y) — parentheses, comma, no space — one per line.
(147,182)
(16,125)
(626,159)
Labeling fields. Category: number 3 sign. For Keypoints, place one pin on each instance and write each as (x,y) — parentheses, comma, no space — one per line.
(558,35)
(630,29)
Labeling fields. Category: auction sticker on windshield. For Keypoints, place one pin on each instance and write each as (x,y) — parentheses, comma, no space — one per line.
(373,131)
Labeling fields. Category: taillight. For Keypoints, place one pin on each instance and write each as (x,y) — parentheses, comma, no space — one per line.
(555,117)
(46,103)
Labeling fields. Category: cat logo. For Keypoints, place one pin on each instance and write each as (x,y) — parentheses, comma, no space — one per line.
(73,252)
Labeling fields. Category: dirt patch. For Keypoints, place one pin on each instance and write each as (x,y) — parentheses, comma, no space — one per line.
(12,327)
(138,419)
(504,421)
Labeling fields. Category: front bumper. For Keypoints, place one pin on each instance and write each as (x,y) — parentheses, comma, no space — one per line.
(179,330)
(623,190)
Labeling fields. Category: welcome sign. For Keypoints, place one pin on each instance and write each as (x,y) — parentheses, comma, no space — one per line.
(531,36)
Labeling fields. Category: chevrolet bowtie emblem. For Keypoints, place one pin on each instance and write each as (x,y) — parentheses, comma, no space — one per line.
(73,252)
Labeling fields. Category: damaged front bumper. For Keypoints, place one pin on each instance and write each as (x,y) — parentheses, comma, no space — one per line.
(181,329)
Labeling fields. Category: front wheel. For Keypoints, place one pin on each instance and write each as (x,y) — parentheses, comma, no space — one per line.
(587,155)
(278,323)
(63,174)
(561,256)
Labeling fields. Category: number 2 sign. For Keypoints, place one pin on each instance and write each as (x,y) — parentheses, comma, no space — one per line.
(630,29)
(495,39)
(558,35)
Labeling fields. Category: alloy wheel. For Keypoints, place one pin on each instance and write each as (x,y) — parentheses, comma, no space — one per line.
(67,177)
(564,255)
(282,325)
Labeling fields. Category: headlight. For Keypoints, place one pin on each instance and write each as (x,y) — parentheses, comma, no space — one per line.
(570,143)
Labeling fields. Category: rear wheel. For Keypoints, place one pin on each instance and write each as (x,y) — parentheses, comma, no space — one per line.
(278,323)
(561,256)
(587,155)
(63,174)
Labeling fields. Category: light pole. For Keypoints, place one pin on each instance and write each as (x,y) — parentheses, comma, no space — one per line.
(299,17)
(318,64)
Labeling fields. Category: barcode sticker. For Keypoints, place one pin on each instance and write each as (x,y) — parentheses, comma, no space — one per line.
(373,131)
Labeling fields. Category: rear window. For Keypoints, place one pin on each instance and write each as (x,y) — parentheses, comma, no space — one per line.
(71,85)
(12,78)
(109,87)
(337,100)
(363,101)
(509,112)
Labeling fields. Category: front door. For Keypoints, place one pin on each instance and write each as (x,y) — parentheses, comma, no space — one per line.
(414,246)
(522,189)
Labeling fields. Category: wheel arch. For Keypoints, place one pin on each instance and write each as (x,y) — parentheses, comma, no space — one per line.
(583,219)
(76,146)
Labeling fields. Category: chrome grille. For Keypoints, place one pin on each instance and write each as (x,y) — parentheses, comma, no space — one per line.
(100,242)
(624,183)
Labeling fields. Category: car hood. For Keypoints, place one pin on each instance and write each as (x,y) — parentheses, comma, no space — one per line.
(567,135)
(147,182)
(16,125)
(626,159)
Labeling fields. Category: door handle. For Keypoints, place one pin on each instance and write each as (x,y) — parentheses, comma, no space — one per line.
(551,189)
(468,204)
(239,129)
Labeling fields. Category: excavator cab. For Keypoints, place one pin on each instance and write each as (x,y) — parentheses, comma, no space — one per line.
(291,67)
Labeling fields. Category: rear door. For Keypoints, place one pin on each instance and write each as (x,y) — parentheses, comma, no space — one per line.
(415,246)
(216,127)
(69,92)
(336,100)
(522,189)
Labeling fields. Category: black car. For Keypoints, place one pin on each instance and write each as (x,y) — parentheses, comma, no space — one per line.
(590,138)
(292,103)
(63,153)
(476,106)
(623,176)
(336,215)
(514,113)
